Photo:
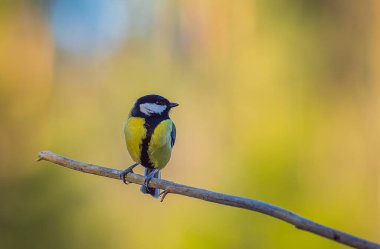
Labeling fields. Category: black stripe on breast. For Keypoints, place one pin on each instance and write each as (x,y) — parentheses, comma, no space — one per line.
(150,125)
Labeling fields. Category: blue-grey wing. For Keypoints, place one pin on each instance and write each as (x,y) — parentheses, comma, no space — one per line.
(173,134)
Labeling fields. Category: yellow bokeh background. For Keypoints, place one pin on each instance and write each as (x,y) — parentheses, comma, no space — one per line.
(279,101)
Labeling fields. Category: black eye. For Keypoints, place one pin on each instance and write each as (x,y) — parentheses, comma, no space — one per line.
(159,102)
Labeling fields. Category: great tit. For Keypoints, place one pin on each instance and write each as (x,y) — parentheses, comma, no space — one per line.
(150,135)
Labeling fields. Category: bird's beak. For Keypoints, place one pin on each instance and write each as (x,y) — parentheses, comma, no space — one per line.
(171,105)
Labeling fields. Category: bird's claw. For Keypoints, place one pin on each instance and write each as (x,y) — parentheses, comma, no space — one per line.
(124,173)
(146,182)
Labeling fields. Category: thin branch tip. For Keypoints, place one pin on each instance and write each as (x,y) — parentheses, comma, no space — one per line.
(40,156)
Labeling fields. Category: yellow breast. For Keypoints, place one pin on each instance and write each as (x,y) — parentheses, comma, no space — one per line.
(135,132)
(160,144)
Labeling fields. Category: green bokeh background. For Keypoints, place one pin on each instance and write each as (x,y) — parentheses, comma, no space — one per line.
(279,101)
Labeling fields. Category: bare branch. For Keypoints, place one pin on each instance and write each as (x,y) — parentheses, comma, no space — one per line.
(224,199)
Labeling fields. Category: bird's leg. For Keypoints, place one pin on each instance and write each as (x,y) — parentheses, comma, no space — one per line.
(149,177)
(126,171)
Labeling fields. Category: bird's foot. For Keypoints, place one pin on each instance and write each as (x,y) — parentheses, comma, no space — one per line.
(146,182)
(125,172)
(148,178)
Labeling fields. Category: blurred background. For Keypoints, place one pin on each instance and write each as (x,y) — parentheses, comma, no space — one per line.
(279,101)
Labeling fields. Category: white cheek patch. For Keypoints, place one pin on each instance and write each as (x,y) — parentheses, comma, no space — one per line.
(151,108)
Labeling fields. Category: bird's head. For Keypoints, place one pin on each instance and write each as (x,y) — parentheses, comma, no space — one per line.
(152,105)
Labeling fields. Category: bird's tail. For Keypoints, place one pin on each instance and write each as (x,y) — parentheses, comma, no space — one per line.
(155,192)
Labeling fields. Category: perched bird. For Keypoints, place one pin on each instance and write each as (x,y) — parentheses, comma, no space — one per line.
(150,135)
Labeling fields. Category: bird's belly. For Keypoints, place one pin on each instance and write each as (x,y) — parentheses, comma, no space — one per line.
(135,133)
(160,144)
(160,156)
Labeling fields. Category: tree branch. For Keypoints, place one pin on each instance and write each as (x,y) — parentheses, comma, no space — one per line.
(224,199)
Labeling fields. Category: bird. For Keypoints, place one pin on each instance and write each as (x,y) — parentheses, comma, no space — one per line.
(150,135)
